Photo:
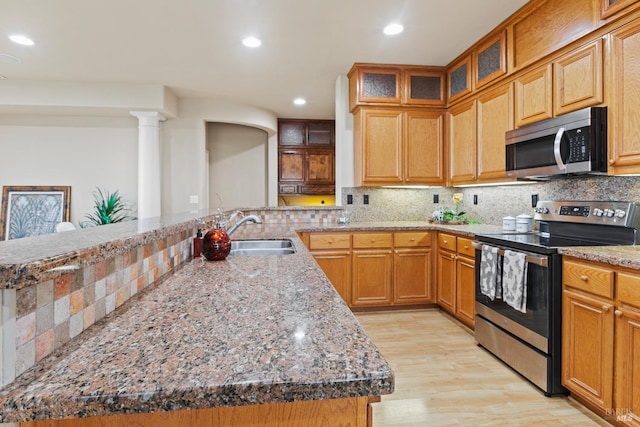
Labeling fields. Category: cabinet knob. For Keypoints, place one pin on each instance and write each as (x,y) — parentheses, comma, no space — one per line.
(466,246)
(584,278)
(618,313)
(446,242)
(453,256)
(611,161)
(373,241)
(413,240)
(605,308)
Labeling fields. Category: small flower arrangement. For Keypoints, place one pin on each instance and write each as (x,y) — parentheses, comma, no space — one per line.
(445,215)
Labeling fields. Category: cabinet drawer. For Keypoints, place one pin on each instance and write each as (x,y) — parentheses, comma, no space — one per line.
(628,287)
(465,248)
(372,240)
(589,278)
(412,239)
(447,241)
(330,241)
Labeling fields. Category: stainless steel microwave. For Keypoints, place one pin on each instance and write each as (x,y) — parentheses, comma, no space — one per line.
(572,144)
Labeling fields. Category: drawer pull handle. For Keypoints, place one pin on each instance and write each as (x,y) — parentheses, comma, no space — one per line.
(584,278)
(618,313)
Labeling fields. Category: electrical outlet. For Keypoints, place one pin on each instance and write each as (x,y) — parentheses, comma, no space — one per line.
(436,198)
(365,199)
(534,200)
(475,199)
(193,199)
(349,199)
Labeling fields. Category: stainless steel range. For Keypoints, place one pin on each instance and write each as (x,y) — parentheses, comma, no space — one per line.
(529,339)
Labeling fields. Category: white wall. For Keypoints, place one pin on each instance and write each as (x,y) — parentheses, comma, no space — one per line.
(184,150)
(83,152)
(231,148)
(344,138)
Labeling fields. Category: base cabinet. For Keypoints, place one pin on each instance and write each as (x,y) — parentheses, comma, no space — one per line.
(377,269)
(456,277)
(601,338)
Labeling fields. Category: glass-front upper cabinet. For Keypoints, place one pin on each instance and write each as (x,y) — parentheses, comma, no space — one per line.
(423,87)
(490,60)
(459,78)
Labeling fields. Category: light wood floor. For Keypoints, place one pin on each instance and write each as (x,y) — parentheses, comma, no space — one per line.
(444,379)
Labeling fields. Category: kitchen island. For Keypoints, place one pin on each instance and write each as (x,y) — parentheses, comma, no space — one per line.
(245,339)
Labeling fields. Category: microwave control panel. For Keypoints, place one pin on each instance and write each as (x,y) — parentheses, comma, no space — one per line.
(578,145)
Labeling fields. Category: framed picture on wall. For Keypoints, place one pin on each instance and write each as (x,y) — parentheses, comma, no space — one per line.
(33,210)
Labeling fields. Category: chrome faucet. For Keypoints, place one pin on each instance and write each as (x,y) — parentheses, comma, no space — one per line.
(249,218)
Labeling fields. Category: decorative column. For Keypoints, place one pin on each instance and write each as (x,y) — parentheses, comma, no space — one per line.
(149,191)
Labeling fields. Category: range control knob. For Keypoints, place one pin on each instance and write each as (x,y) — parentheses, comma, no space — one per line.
(608,212)
(542,210)
(598,212)
(620,213)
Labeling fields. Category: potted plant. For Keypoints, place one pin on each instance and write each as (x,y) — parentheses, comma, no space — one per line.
(108,208)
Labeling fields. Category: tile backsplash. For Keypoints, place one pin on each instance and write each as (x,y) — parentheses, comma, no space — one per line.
(410,204)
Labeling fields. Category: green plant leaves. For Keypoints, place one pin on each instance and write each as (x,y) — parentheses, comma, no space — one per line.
(108,209)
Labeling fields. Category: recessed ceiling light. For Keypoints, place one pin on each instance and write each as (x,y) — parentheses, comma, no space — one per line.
(21,39)
(251,42)
(393,29)
(8,59)
(299,101)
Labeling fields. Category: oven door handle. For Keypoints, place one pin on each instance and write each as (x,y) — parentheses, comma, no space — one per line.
(542,261)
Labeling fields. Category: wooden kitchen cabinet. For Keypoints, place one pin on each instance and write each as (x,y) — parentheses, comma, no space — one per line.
(534,96)
(412,268)
(462,143)
(456,277)
(578,79)
(459,79)
(397,146)
(306,156)
(395,85)
(623,87)
(372,271)
(377,269)
(490,59)
(587,347)
(600,314)
(495,118)
(332,252)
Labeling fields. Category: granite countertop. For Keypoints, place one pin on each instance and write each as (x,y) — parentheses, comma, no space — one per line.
(466,230)
(247,330)
(623,256)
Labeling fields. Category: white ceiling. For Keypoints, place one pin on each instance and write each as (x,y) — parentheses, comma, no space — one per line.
(194,46)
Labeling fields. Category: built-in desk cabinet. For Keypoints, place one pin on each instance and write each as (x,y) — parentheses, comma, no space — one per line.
(601,338)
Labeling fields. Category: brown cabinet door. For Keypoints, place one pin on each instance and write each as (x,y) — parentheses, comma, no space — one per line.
(446,282)
(459,78)
(587,347)
(423,87)
(379,85)
(490,59)
(578,79)
(371,277)
(466,290)
(337,267)
(320,167)
(623,87)
(533,96)
(424,148)
(291,133)
(291,164)
(378,147)
(320,132)
(627,380)
(495,117)
(412,276)
(462,143)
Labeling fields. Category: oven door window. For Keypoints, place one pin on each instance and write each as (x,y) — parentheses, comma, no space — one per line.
(538,288)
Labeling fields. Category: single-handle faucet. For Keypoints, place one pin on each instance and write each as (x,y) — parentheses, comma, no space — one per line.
(249,218)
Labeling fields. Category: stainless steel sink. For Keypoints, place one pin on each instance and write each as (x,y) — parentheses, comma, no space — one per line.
(262,247)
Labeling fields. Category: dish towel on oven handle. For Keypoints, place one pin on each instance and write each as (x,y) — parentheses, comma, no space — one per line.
(514,280)
(490,274)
